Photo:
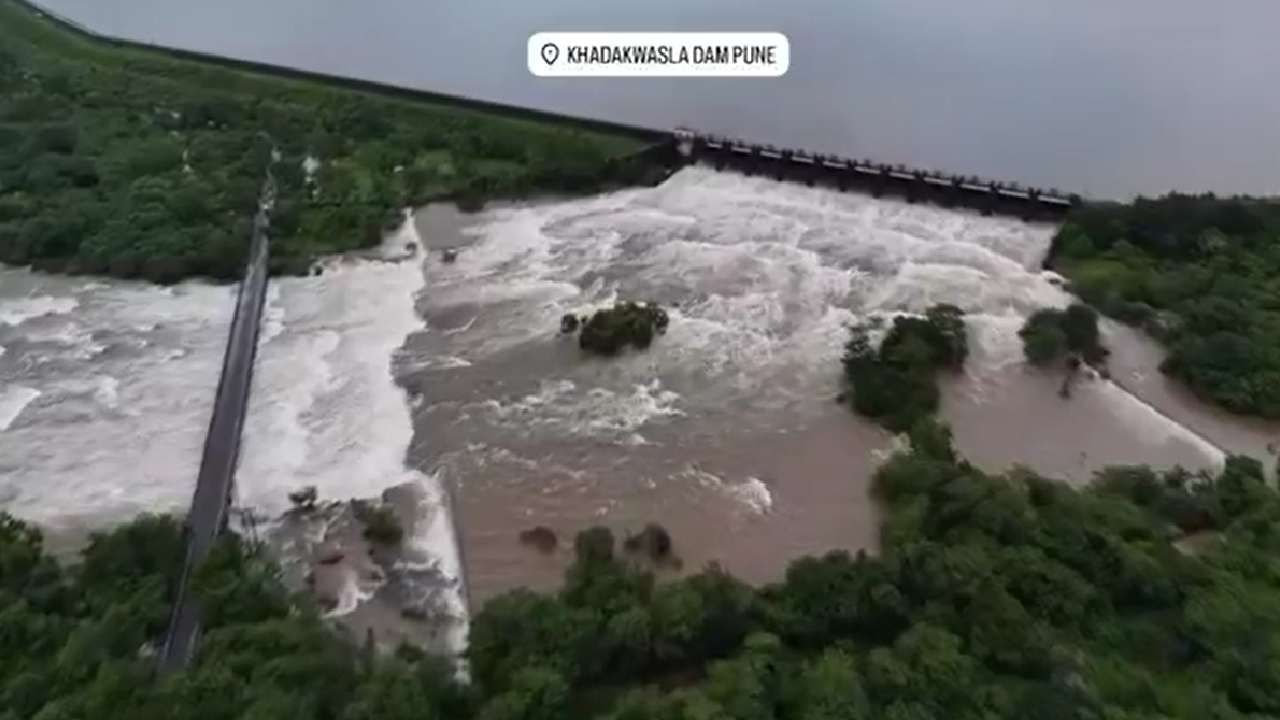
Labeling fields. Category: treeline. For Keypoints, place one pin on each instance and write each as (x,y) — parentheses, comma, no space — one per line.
(1147,595)
(1050,334)
(131,163)
(1201,273)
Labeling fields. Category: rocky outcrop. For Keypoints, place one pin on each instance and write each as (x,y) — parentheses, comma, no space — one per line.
(396,591)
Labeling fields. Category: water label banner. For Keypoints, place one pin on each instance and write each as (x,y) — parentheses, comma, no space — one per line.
(659,54)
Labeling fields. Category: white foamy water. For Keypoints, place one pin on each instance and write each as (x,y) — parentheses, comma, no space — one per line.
(761,280)
(105,393)
(16,311)
(105,386)
(1139,414)
(12,401)
(766,275)
(561,407)
(325,409)
(751,492)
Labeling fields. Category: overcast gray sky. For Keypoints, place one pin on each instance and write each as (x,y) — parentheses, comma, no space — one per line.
(1103,97)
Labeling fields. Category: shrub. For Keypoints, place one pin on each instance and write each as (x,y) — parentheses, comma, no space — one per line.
(895,384)
(1050,333)
(654,541)
(381,525)
(610,330)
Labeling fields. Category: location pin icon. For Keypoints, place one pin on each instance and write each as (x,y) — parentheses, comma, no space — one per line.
(550,52)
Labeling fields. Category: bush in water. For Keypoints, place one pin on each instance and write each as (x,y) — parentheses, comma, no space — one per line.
(894,384)
(1049,334)
(380,524)
(610,330)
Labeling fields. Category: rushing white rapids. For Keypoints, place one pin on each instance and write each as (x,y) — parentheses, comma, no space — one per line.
(766,275)
(763,278)
(105,391)
(325,410)
(724,429)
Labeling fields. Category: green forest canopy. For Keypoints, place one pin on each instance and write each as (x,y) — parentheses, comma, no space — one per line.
(1147,595)
(1199,272)
(132,162)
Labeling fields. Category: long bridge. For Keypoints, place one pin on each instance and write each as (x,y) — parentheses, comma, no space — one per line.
(215,481)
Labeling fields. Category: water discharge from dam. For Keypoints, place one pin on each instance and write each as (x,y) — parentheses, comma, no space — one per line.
(105,392)
(725,430)
(377,375)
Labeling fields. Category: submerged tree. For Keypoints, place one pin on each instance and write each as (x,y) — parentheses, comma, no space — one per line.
(611,330)
(895,383)
(1049,334)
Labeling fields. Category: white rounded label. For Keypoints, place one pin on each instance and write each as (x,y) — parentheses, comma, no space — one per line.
(668,54)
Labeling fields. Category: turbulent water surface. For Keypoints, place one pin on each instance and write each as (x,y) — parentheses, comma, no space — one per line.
(412,378)
(726,430)
(325,412)
(105,393)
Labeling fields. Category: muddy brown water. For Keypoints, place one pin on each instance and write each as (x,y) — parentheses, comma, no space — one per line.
(726,431)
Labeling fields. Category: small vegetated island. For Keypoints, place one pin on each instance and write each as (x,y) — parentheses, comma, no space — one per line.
(896,383)
(1051,335)
(137,163)
(611,330)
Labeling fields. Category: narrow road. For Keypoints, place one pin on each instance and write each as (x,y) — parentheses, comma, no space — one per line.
(209,505)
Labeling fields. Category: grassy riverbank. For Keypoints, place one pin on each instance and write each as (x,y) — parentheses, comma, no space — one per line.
(135,162)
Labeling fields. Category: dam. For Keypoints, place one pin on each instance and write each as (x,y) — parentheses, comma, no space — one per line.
(990,197)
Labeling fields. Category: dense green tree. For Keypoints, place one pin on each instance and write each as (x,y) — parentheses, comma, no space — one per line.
(894,384)
(1196,272)
(81,114)
(831,689)
(1043,339)
(1050,333)
(534,694)
(995,596)
(396,691)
